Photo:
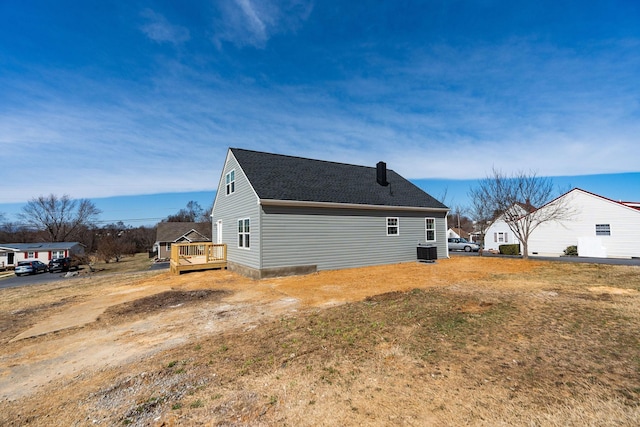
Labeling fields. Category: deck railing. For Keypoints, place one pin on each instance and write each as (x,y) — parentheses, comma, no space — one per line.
(198,256)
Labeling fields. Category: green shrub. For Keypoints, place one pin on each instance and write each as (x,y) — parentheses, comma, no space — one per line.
(571,250)
(513,249)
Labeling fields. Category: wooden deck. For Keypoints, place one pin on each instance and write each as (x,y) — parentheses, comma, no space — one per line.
(198,256)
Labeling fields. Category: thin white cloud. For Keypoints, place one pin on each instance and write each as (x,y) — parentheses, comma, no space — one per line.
(253,23)
(158,29)
(437,116)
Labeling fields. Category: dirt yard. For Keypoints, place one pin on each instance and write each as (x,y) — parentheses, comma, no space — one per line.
(465,341)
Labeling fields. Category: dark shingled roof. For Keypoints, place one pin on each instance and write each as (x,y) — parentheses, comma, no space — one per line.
(279,177)
(171,231)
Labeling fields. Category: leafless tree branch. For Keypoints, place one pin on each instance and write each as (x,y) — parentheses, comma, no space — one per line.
(59,217)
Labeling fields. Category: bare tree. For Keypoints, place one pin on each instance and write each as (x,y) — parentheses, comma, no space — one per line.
(192,213)
(143,238)
(442,197)
(457,218)
(516,198)
(481,214)
(114,246)
(59,217)
(16,233)
(206,214)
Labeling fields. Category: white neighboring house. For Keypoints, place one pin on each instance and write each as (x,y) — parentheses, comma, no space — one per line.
(456,233)
(499,233)
(12,253)
(600,227)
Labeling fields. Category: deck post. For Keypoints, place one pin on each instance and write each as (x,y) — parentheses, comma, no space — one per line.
(198,256)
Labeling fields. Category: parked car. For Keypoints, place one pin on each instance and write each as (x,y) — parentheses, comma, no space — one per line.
(462,244)
(30,267)
(63,264)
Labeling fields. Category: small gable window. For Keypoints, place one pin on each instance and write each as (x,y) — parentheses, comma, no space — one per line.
(244,235)
(603,230)
(392,227)
(430,229)
(230,182)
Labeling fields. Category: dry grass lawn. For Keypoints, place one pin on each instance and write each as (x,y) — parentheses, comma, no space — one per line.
(466,341)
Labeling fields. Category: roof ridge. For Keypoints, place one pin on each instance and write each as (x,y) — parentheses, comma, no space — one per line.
(293,178)
(305,158)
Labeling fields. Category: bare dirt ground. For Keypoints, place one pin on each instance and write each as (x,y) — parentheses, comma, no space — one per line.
(465,341)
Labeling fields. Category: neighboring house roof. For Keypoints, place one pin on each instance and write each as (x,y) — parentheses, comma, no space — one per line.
(528,207)
(519,209)
(183,231)
(460,232)
(49,246)
(634,205)
(631,205)
(280,178)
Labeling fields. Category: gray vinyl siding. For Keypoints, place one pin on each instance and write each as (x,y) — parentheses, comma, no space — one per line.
(341,238)
(243,203)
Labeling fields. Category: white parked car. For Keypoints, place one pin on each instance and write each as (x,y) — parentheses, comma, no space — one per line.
(30,267)
(462,244)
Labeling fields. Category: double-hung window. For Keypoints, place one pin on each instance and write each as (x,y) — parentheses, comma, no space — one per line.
(230,182)
(244,234)
(430,229)
(501,237)
(393,227)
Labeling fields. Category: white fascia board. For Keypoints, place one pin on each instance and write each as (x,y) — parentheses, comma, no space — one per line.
(308,204)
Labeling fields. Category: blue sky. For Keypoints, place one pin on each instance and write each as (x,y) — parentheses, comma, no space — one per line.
(107,100)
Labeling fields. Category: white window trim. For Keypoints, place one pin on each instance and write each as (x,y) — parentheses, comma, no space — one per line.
(244,234)
(426,230)
(501,237)
(397,226)
(230,186)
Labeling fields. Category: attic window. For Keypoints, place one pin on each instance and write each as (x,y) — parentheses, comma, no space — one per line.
(603,230)
(230,181)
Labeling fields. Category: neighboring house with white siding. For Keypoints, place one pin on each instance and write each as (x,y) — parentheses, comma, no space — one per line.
(600,227)
(283,215)
(458,232)
(12,253)
(499,233)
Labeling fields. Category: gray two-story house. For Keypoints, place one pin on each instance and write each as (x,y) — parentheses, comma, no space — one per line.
(283,215)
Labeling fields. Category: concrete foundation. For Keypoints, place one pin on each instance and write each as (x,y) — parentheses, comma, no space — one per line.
(265,273)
